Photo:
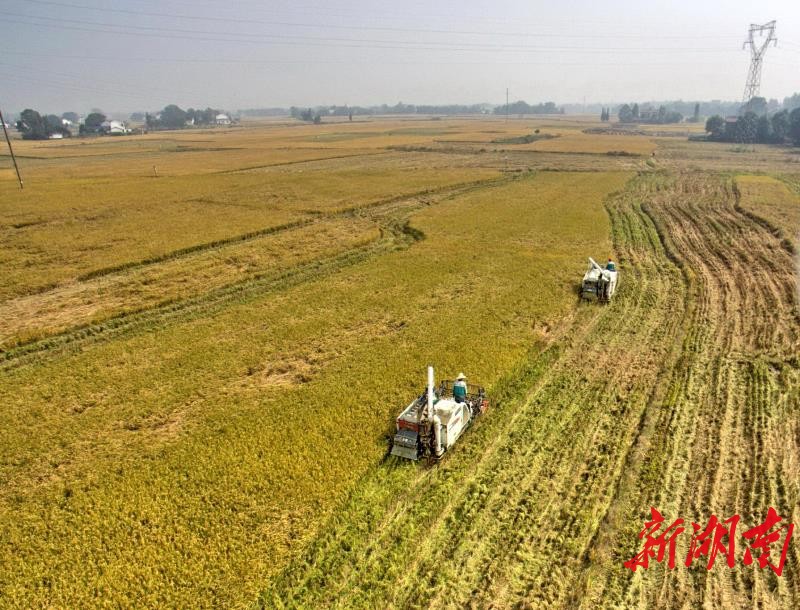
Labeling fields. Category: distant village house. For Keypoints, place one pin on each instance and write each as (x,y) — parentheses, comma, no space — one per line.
(114,128)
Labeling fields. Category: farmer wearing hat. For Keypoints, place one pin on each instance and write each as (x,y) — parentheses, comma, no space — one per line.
(460,388)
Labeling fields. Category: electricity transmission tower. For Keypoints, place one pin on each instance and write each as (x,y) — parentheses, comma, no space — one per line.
(757,50)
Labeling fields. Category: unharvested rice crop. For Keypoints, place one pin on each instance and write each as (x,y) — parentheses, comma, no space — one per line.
(218,427)
(774,201)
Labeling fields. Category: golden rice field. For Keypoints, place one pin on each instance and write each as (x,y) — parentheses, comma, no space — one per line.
(201,365)
(776,201)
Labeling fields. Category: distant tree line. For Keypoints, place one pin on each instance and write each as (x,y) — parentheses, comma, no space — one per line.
(308,115)
(34,126)
(633,114)
(173,117)
(302,113)
(522,107)
(261,112)
(779,128)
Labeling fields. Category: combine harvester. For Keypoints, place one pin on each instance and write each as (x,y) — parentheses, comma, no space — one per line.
(432,423)
(599,284)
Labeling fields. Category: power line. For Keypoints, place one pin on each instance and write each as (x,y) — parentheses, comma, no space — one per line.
(298,40)
(61,85)
(370,28)
(120,87)
(304,62)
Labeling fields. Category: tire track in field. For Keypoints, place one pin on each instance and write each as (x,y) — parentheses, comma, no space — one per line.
(480,531)
(681,395)
(389,214)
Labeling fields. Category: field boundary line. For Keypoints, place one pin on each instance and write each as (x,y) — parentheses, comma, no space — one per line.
(251,235)
(395,233)
(250,168)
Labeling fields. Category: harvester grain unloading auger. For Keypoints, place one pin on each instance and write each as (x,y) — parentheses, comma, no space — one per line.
(434,421)
(599,284)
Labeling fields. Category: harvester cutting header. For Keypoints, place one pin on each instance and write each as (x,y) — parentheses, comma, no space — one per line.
(434,421)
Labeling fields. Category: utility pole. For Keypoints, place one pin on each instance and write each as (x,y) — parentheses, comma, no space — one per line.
(753,85)
(10,149)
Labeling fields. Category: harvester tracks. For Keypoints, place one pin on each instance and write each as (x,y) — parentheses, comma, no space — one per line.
(513,498)
(681,395)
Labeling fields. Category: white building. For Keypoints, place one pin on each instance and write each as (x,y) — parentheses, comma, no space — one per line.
(114,128)
(222,119)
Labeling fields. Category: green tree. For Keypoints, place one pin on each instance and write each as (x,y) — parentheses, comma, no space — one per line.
(696,115)
(625,114)
(71,116)
(635,112)
(794,126)
(780,126)
(94,120)
(763,129)
(746,128)
(715,127)
(173,117)
(32,125)
(208,116)
(792,102)
(53,123)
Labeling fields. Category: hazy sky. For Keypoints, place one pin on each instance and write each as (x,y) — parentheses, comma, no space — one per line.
(124,55)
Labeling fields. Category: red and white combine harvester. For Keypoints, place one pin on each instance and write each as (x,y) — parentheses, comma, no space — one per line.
(434,421)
